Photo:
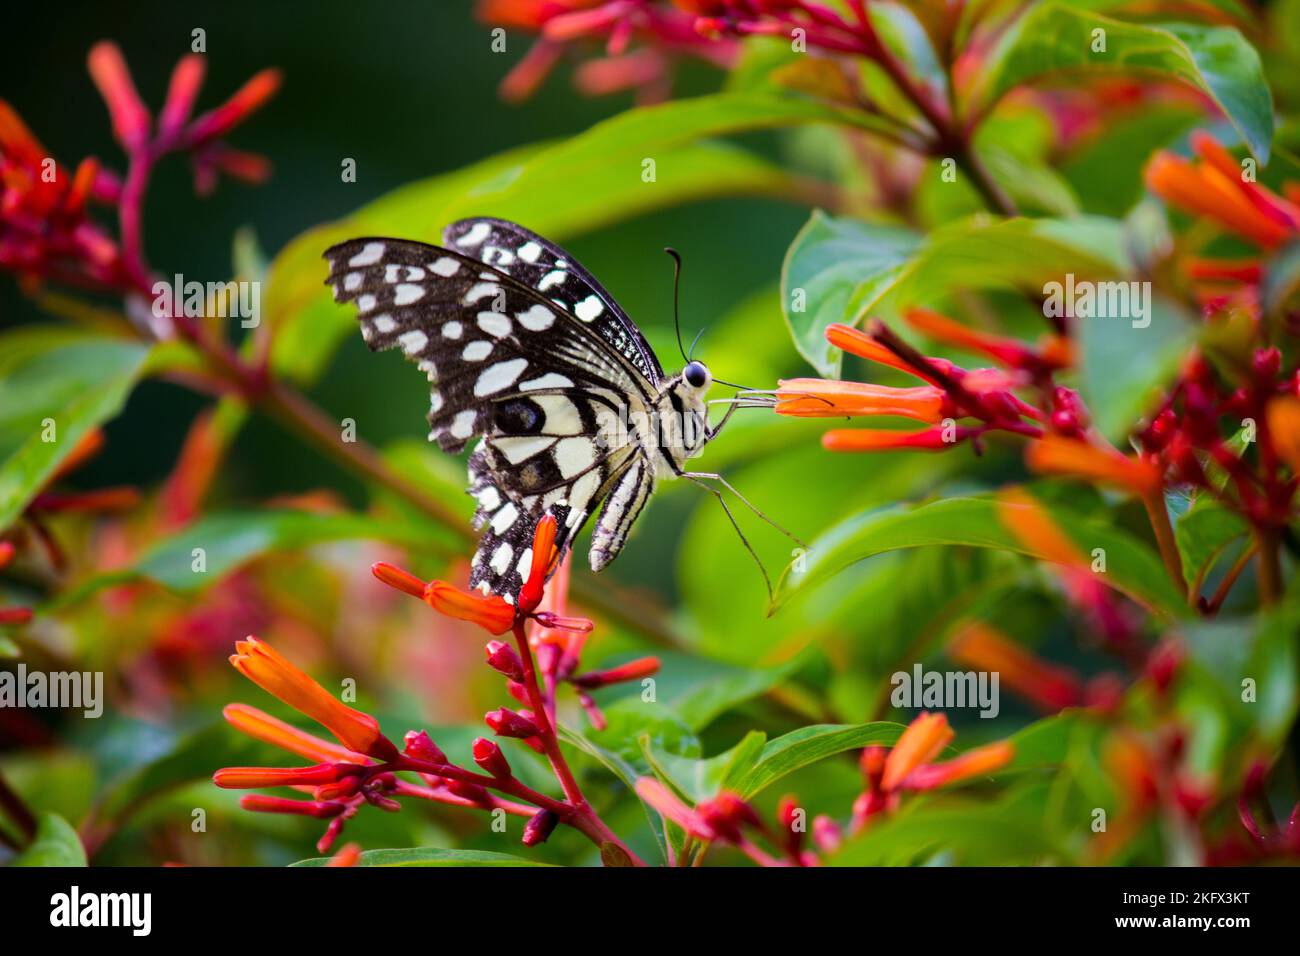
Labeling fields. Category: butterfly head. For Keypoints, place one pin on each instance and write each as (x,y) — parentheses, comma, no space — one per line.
(697,376)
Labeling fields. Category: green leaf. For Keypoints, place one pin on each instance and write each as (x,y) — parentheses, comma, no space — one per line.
(190,757)
(1203,532)
(1053,38)
(807,745)
(534,185)
(845,269)
(698,690)
(834,270)
(1003,832)
(232,539)
(1125,360)
(702,779)
(1131,566)
(59,379)
(431,856)
(56,844)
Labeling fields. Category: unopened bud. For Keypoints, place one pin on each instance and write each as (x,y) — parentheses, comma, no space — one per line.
(501,657)
(489,756)
(421,746)
(506,723)
(541,826)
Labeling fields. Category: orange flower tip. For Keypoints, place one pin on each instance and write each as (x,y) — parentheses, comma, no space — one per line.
(349,855)
(974,763)
(396,578)
(1053,454)
(542,559)
(1282,416)
(489,611)
(245,778)
(939,438)
(633,670)
(108,69)
(922,741)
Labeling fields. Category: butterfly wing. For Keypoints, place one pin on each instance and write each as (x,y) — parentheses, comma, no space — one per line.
(543,387)
(542,265)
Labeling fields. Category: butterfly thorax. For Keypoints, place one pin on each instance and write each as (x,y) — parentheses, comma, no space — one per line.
(682,427)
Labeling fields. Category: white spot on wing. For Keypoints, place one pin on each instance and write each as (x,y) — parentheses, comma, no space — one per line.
(529,251)
(498,376)
(554,277)
(369,255)
(384,324)
(589,309)
(494,324)
(452,330)
(366,302)
(462,425)
(413,342)
(476,351)
(504,518)
(480,290)
(549,380)
(352,281)
(500,562)
(574,455)
(407,293)
(537,318)
(445,266)
(477,233)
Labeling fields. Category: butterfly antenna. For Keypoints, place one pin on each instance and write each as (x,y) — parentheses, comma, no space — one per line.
(677,284)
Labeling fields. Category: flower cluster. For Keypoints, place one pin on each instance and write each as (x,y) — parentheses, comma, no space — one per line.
(641,41)
(364,766)
(45,227)
(888,773)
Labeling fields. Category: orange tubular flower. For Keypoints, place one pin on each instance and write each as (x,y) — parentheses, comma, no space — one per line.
(1214,188)
(820,398)
(490,612)
(248,778)
(973,763)
(262,726)
(922,741)
(1008,351)
(1283,418)
(543,560)
(983,647)
(876,439)
(268,669)
(1056,455)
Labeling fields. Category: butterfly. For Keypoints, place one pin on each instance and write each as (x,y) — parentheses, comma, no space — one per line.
(526,351)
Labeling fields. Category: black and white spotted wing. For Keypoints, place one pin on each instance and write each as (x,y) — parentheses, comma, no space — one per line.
(516,354)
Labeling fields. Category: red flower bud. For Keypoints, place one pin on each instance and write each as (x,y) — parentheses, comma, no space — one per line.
(501,657)
(421,746)
(507,723)
(306,808)
(541,826)
(489,756)
(469,791)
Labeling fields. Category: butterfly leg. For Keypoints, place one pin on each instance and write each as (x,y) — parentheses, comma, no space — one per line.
(699,477)
(767,581)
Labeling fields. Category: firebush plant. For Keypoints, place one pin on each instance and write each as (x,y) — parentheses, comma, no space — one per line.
(1047,298)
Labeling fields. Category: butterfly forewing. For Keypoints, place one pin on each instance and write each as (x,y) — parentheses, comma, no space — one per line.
(547,390)
(544,266)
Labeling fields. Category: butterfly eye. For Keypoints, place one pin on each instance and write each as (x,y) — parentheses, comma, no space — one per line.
(696,375)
